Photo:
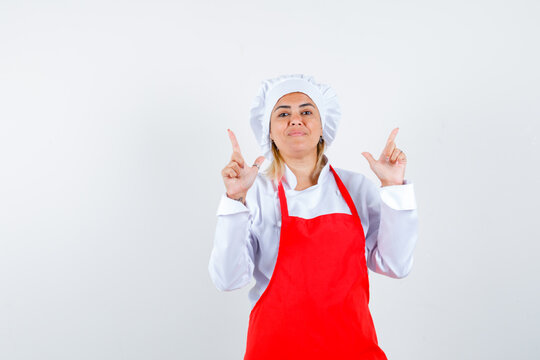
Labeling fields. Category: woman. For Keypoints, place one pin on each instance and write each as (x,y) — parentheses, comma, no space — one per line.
(308,232)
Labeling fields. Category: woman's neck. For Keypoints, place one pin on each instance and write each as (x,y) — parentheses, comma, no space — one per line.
(304,169)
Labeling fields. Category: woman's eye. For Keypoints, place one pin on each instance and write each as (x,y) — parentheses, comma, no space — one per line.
(307,112)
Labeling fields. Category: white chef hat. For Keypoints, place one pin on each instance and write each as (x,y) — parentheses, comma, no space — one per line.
(271,90)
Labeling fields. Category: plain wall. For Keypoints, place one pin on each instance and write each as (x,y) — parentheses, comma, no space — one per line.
(113,118)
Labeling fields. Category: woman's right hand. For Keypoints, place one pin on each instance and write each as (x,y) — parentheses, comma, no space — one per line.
(238,177)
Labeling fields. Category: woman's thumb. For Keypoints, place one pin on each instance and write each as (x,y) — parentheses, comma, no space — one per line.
(368,157)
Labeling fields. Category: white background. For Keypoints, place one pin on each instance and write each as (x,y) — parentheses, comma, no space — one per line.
(113,118)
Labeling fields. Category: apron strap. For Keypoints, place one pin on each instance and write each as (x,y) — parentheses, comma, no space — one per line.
(283,201)
(345,194)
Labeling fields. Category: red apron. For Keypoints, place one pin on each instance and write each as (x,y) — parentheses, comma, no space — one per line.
(316,303)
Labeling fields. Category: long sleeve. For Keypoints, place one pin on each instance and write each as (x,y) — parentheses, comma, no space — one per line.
(231,261)
(393,229)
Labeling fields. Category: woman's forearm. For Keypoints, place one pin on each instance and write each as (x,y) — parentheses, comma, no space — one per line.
(397,232)
(231,261)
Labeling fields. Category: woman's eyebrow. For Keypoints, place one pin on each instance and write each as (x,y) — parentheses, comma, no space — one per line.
(288,106)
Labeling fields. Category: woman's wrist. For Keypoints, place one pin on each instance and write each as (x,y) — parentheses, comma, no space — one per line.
(238,197)
(385,183)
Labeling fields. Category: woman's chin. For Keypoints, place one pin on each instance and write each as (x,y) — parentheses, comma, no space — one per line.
(300,150)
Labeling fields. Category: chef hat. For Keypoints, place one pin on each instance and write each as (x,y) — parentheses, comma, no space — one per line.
(272,90)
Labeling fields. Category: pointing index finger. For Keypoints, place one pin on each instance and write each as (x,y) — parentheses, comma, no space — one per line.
(234,142)
(393,135)
(390,143)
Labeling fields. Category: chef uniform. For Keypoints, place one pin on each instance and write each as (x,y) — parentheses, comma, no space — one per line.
(310,259)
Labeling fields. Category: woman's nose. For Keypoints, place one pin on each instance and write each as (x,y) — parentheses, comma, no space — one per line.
(296,119)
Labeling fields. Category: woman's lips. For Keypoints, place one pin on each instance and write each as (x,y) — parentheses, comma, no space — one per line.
(296,133)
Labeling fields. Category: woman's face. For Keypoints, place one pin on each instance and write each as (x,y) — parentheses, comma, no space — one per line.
(295,125)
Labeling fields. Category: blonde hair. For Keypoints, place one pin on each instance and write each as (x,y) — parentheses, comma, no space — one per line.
(276,169)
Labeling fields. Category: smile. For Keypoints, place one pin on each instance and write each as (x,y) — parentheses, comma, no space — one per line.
(296,133)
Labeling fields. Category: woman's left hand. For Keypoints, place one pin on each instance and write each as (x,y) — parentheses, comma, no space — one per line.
(390,168)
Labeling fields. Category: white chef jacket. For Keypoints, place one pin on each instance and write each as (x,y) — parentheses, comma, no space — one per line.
(247,236)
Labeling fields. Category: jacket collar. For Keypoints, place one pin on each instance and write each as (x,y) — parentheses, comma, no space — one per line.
(289,179)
